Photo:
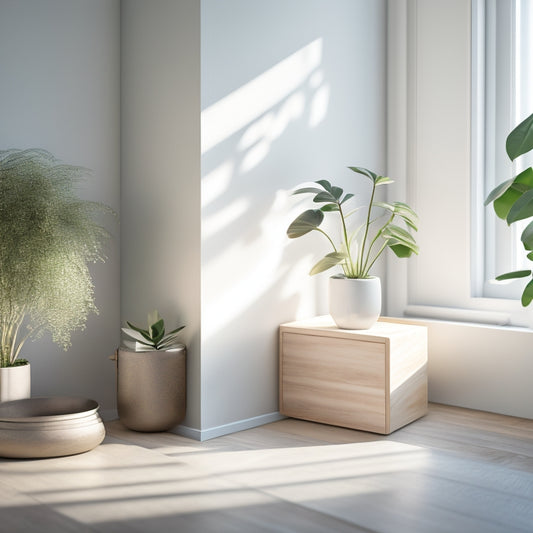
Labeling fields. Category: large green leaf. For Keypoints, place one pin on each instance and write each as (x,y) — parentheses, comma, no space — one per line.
(507,193)
(527,237)
(527,295)
(498,191)
(520,140)
(304,223)
(522,208)
(513,275)
(330,260)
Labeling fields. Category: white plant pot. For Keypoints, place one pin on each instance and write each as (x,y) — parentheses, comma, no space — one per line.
(15,383)
(354,303)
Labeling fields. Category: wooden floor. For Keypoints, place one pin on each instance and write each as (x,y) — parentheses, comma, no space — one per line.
(455,470)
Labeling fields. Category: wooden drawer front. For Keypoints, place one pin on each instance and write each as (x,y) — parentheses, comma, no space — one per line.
(332,380)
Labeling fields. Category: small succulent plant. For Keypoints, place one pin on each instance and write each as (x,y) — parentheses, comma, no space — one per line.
(153,338)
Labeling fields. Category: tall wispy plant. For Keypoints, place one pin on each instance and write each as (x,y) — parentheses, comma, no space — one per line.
(48,235)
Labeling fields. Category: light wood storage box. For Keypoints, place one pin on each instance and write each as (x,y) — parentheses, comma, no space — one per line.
(372,380)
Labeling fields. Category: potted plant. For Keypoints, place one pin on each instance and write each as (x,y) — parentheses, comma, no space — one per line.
(151,377)
(47,237)
(513,199)
(355,295)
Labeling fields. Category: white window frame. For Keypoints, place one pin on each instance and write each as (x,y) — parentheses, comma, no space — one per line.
(498,104)
(414,28)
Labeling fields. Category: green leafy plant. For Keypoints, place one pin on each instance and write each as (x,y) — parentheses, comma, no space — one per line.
(359,249)
(47,237)
(513,199)
(153,338)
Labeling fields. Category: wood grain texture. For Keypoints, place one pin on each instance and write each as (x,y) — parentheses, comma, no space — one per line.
(373,380)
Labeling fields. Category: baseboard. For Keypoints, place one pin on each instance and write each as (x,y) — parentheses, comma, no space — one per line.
(226,429)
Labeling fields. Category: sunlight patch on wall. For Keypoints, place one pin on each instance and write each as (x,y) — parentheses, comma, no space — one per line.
(273,127)
(224,217)
(216,182)
(249,269)
(244,105)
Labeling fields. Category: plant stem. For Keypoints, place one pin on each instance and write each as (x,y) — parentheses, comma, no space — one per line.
(377,255)
(328,237)
(378,234)
(362,254)
(349,270)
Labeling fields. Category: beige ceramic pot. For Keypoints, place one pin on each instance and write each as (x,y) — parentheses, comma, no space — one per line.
(49,427)
(151,389)
(15,383)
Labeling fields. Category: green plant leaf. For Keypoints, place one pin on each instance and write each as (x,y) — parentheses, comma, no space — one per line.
(153,317)
(326,185)
(314,190)
(406,214)
(527,237)
(527,295)
(329,208)
(403,236)
(324,196)
(383,180)
(385,205)
(157,331)
(522,208)
(498,191)
(336,192)
(505,196)
(520,140)
(143,332)
(174,331)
(530,256)
(137,336)
(330,260)
(401,250)
(347,196)
(365,172)
(513,275)
(305,222)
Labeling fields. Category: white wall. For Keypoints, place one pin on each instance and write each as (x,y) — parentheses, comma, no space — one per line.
(291,91)
(470,365)
(160,194)
(59,90)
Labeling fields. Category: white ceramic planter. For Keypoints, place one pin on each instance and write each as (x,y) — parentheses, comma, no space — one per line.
(354,303)
(15,383)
